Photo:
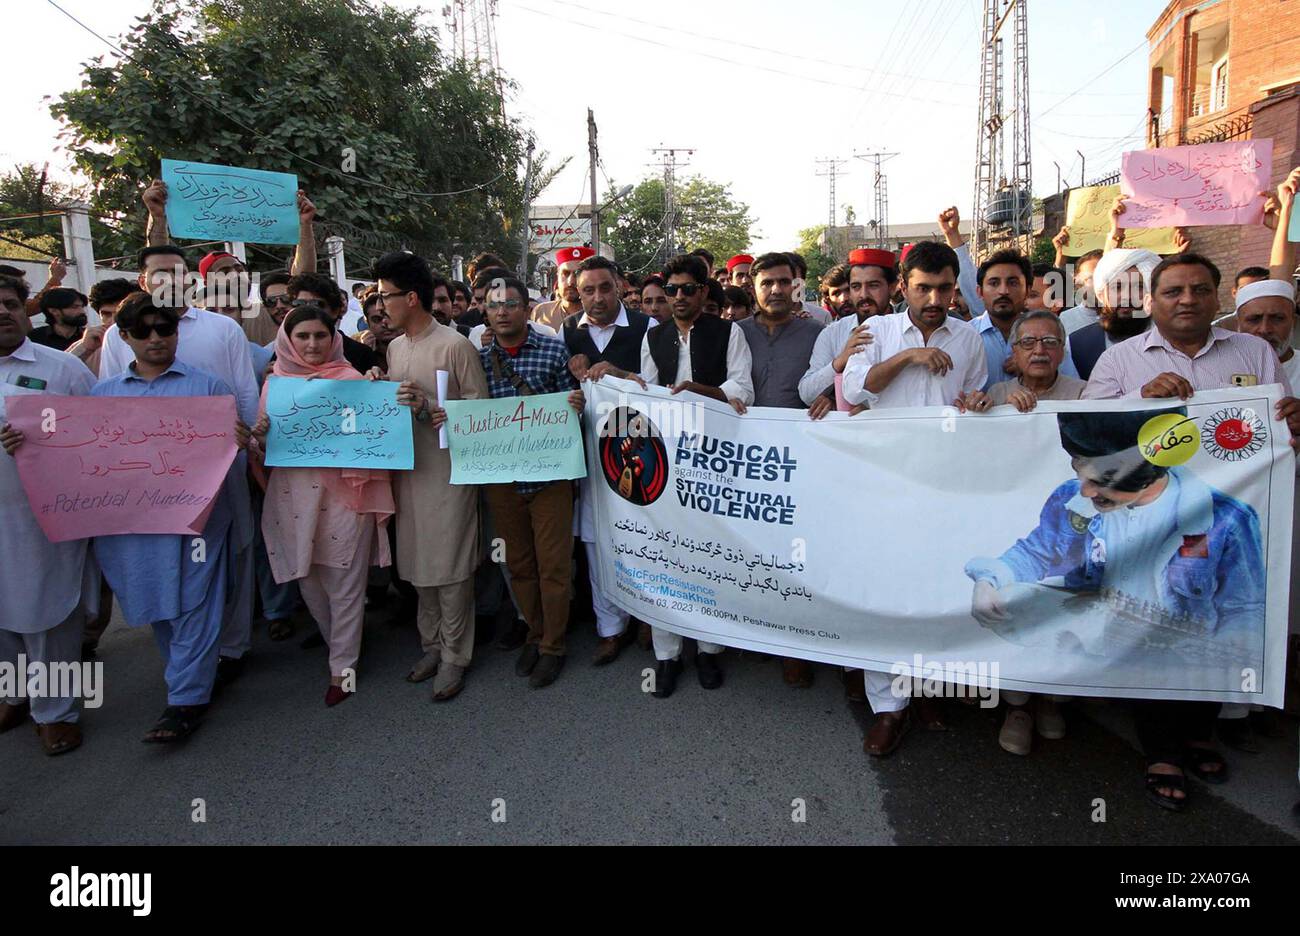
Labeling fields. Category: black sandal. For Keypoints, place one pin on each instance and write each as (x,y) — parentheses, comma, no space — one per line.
(177,723)
(1166,800)
(1198,757)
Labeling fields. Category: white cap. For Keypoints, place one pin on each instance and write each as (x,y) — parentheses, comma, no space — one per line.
(1268,287)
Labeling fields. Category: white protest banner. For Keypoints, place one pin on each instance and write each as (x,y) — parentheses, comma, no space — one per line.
(1127,548)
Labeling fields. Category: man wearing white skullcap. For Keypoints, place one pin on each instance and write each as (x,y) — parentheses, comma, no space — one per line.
(1266,309)
(1120,280)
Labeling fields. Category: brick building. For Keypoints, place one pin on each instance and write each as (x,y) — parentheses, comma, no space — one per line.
(1227,70)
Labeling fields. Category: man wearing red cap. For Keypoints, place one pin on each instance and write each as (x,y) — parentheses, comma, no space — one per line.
(738,269)
(872,275)
(567,261)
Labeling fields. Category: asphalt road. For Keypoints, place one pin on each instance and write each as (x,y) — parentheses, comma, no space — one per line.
(591,759)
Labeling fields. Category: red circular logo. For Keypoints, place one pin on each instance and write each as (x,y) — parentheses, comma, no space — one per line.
(1233,434)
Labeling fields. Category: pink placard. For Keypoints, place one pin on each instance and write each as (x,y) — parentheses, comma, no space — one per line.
(97,466)
(1214,183)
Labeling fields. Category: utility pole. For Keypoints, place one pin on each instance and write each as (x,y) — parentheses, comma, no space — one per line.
(670,167)
(527,227)
(880,194)
(830,172)
(593,155)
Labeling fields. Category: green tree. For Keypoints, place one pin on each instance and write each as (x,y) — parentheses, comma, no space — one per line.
(707,214)
(355,98)
(817,259)
(28,191)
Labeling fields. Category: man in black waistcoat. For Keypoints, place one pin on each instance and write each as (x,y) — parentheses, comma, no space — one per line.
(604,334)
(702,354)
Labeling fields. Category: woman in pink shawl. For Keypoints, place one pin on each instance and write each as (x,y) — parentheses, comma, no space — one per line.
(324,527)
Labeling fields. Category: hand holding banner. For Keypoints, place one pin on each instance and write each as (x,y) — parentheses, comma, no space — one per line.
(99,466)
(532,438)
(1214,183)
(225,203)
(337,424)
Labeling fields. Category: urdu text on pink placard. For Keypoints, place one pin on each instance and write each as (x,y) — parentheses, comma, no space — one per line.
(98,466)
(1214,183)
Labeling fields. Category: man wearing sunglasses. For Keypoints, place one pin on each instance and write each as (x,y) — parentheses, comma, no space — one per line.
(218,346)
(157,579)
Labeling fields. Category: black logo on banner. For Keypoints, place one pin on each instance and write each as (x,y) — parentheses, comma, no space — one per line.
(632,456)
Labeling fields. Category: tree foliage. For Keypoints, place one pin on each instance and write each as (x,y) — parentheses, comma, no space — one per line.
(707,214)
(297,86)
(818,260)
(27,190)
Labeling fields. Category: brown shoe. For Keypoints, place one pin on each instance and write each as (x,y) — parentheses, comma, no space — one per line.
(449,682)
(798,674)
(11,716)
(886,733)
(59,737)
(855,687)
(930,714)
(608,649)
(643,638)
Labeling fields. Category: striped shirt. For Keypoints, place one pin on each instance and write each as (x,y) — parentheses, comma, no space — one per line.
(1227,359)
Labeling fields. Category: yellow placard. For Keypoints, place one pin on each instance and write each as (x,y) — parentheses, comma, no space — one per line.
(1088,218)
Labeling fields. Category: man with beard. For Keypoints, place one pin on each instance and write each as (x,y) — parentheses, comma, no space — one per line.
(917,357)
(1003,283)
(274,290)
(105,297)
(705,355)
(632,292)
(654,301)
(379,333)
(65,317)
(607,335)
(1121,278)
(835,289)
(780,346)
(567,261)
(870,281)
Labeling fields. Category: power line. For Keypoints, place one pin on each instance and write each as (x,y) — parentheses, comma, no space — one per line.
(1104,71)
(347,176)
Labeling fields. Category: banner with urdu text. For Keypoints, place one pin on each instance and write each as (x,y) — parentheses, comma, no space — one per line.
(1128,548)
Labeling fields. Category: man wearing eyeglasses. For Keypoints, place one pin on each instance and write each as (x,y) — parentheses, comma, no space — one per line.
(1038,347)
(534,519)
(1003,281)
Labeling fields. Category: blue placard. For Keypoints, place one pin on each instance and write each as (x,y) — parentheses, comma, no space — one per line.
(528,438)
(337,424)
(226,203)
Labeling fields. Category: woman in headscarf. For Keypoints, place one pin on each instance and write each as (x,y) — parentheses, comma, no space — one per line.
(324,526)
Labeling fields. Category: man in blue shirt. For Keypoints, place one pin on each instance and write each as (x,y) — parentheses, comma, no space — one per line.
(176,584)
(534,519)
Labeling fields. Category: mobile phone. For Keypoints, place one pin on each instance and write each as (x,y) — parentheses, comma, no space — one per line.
(31,383)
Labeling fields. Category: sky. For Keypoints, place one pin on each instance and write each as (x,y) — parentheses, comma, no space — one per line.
(760,90)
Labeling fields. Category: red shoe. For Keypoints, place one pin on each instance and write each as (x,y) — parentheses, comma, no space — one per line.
(336,694)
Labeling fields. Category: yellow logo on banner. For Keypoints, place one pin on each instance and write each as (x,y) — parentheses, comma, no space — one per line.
(1168,439)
